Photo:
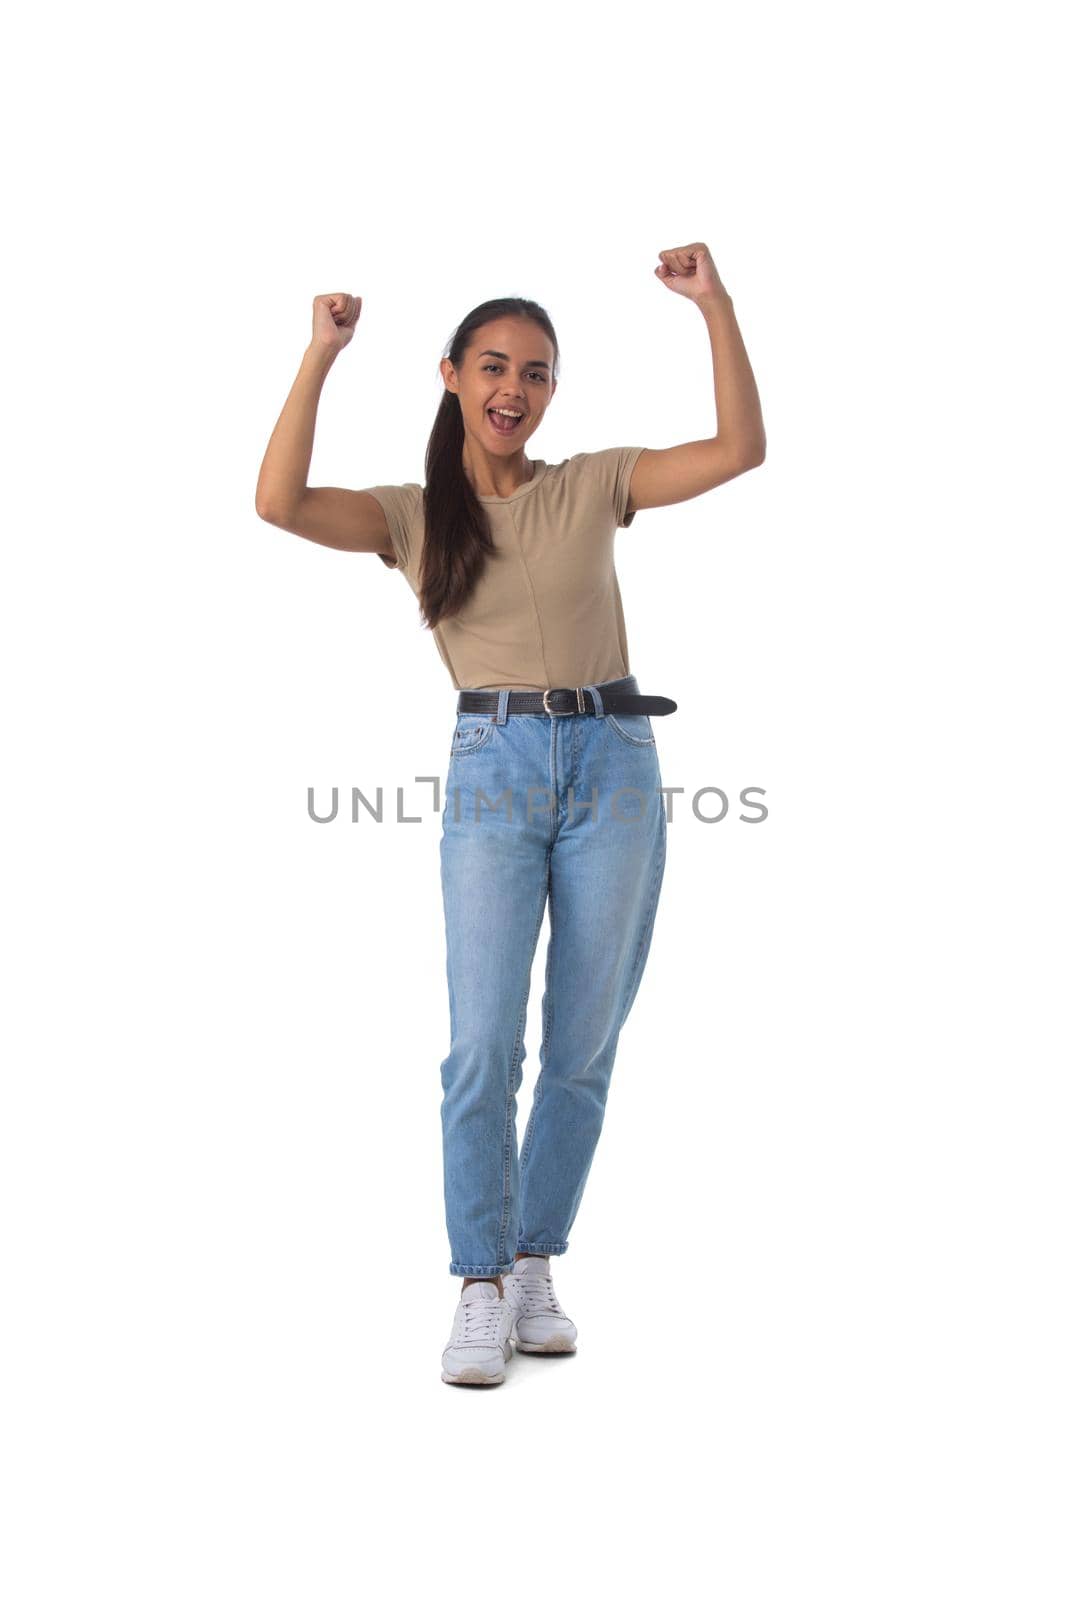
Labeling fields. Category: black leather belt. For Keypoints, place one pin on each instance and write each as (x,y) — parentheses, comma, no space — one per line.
(567,702)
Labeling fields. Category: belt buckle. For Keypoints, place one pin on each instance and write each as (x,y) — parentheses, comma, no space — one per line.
(548,708)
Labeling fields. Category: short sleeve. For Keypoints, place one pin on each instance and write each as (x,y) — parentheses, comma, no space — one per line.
(611,471)
(402,503)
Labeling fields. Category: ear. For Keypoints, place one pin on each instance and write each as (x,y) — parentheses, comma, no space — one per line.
(448,373)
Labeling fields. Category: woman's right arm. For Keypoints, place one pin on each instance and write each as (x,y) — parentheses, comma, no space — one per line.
(344,519)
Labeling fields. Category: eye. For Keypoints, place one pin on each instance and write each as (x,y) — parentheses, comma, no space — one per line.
(492,366)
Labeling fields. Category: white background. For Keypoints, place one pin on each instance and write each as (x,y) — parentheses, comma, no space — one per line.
(818,1269)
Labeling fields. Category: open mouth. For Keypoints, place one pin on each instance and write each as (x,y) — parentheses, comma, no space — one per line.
(502,424)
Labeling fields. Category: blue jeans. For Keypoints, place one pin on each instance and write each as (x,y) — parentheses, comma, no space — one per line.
(563,810)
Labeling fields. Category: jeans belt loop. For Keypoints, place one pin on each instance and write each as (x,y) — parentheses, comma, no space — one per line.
(502,706)
(598,702)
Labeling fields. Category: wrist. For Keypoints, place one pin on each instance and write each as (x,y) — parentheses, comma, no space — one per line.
(321,356)
(714,301)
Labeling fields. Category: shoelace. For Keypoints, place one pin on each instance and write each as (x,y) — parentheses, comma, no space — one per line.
(480,1320)
(538,1295)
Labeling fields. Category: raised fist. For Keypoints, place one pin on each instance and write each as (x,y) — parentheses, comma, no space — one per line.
(334,318)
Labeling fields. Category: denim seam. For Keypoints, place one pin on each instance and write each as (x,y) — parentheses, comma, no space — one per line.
(553,777)
(512,1087)
(468,1270)
(646,932)
(642,744)
(472,745)
(550,1008)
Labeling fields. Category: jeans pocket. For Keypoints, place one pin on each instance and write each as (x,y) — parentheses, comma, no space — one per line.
(470,733)
(633,728)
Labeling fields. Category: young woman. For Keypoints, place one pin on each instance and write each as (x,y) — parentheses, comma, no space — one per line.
(552,794)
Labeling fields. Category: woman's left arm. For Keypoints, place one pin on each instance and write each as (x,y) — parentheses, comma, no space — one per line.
(665,477)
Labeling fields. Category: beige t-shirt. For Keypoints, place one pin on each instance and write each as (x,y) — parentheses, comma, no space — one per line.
(547,613)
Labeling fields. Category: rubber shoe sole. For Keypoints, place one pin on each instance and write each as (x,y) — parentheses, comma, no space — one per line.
(473,1375)
(558,1345)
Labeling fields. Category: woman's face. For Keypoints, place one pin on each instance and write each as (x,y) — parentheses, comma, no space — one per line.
(508,365)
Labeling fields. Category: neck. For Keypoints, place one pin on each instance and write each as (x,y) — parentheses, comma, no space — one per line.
(494,475)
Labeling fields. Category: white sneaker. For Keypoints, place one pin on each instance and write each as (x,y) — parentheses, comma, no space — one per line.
(481,1337)
(540,1325)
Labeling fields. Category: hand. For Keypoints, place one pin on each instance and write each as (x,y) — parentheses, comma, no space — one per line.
(334,318)
(690,272)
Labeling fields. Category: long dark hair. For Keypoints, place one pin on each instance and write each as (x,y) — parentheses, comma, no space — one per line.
(458,542)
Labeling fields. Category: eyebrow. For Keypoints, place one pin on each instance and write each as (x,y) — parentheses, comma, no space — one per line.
(503,357)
